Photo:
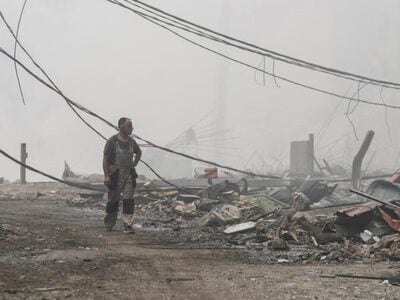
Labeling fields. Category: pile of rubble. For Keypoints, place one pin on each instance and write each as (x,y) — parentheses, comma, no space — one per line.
(303,215)
(313,222)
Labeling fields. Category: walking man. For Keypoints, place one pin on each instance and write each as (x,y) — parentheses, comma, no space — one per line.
(121,156)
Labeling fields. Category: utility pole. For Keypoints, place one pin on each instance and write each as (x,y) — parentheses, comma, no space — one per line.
(24,156)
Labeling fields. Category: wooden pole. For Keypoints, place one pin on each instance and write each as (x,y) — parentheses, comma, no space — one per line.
(24,156)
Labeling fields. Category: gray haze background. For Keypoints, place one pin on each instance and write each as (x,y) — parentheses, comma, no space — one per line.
(117,64)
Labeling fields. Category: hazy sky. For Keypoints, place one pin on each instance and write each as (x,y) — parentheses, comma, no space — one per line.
(117,64)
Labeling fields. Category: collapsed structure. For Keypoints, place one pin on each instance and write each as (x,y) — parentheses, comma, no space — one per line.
(303,215)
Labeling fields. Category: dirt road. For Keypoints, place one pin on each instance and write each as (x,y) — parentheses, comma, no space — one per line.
(50,249)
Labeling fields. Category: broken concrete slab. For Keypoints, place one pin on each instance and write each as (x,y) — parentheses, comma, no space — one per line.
(240,227)
(186,209)
(221,215)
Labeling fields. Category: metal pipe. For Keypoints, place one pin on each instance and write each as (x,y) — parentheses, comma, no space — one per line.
(357,161)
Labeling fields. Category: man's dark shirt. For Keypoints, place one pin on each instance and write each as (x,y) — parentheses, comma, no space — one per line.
(109,149)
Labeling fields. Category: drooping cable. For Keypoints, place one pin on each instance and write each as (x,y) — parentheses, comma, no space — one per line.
(15,53)
(386,118)
(303,85)
(154,145)
(72,103)
(53,87)
(69,102)
(216,36)
(77,185)
(134,135)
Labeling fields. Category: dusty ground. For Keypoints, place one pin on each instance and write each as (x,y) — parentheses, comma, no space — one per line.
(53,248)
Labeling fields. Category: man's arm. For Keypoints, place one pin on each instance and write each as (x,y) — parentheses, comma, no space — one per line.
(138,156)
(106,169)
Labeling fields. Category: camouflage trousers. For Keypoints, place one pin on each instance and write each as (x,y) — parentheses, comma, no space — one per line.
(122,187)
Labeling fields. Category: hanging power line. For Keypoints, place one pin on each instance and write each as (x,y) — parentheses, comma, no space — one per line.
(77,185)
(160,23)
(15,53)
(54,88)
(76,105)
(155,13)
(83,186)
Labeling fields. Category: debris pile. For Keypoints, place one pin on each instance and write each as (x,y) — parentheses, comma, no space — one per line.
(300,227)
(304,215)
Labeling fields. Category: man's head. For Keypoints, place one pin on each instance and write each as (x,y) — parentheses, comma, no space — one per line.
(125,126)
